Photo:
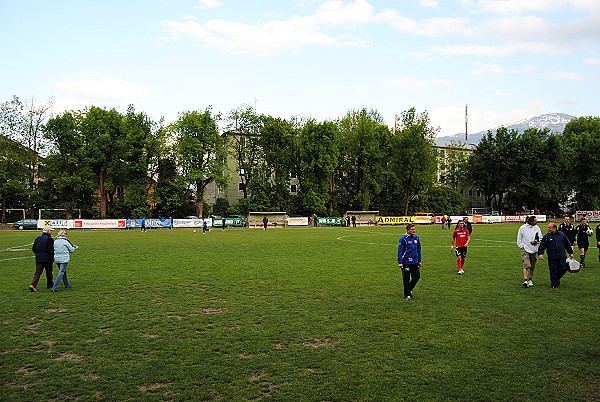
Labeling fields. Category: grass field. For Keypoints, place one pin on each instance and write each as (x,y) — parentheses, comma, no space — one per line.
(306,314)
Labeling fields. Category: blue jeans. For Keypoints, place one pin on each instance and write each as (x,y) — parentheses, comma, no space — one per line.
(62,274)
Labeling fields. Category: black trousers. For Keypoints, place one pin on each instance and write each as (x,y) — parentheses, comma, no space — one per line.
(39,268)
(558,268)
(411,273)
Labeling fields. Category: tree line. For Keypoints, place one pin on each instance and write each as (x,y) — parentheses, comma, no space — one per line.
(112,164)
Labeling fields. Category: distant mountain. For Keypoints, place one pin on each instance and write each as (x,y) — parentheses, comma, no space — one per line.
(556,122)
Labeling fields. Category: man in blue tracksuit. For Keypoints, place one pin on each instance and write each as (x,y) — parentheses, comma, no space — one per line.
(555,242)
(409,259)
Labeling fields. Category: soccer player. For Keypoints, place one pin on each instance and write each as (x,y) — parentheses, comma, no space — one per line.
(568,229)
(460,238)
(409,259)
(583,242)
(528,239)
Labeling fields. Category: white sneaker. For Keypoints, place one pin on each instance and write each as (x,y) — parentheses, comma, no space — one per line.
(525,283)
(461,272)
(530,282)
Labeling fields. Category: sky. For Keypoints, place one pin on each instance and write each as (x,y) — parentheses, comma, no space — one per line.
(506,59)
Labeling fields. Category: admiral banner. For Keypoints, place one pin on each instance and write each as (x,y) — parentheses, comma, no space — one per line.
(394,220)
(591,216)
(190,223)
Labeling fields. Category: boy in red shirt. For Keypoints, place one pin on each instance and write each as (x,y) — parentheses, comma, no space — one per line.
(460,237)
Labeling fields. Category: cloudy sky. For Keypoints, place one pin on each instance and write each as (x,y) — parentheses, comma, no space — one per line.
(506,59)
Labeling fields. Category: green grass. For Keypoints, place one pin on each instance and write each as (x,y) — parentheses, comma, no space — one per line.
(295,314)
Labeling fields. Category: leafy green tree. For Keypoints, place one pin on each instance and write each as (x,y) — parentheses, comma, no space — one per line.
(201,152)
(441,200)
(69,181)
(537,184)
(170,195)
(581,139)
(276,143)
(14,174)
(493,166)
(319,145)
(243,136)
(365,142)
(23,121)
(413,160)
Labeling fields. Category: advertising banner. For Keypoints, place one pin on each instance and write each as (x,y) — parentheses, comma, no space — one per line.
(150,223)
(190,223)
(513,218)
(491,219)
(299,221)
(55,223)
(591,216)
(218,223)
(99,224)
(394,220)
(331,221)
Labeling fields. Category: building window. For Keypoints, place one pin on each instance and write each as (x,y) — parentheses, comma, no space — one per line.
(120,192)
(478,193)
(240,186)
(293,188)
(470,193)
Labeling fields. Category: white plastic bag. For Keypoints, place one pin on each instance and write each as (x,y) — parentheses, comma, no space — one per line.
(574,265)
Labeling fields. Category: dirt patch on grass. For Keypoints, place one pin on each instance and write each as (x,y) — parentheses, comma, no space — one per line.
(56,310)
(320,343)
(257,376)
(69,356)
(213,310)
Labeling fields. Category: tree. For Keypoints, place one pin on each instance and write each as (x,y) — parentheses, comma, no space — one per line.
(319,147)
(413,159)
(365,141)
(537,185)
(581,139)
(69,181)
(13,174)
(201,152)
(493,165)
(23,122)
(276,143)
(244,130)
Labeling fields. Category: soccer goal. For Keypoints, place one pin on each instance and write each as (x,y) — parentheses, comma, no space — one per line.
(482,211)
(58,213)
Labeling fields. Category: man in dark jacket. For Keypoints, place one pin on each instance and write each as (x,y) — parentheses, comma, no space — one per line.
(568,229)
(555,242)
(43,248)
(409,259)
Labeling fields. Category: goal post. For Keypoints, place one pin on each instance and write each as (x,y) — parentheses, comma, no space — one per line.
(15,214)
(52,213)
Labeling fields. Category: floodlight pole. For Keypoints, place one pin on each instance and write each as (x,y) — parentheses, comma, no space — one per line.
(466,123)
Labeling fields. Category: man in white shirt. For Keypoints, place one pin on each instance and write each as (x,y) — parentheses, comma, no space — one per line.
(528,239)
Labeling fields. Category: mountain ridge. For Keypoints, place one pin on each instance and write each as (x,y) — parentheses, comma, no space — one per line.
(556,122)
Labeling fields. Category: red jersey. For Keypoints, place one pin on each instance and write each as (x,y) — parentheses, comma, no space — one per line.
(460,237)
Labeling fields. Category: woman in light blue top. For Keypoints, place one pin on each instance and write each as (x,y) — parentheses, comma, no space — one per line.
(62,254)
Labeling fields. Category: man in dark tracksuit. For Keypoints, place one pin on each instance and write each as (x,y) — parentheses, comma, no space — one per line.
(409,259)
(555,242)
(43,248)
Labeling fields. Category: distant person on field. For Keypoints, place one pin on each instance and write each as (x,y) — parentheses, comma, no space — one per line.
(348,221)
(460,238)
(568,229)
(409,260)
(223,222)
(204,226)
(556,243)
(353,221)
(62,255)
(467,225)
(584,231)
(598,240)
(43,248)
(528,240)
(265,223)
(143,227)
(444,221)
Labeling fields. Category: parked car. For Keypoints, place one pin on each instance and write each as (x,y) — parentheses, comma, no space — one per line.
(25,224)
